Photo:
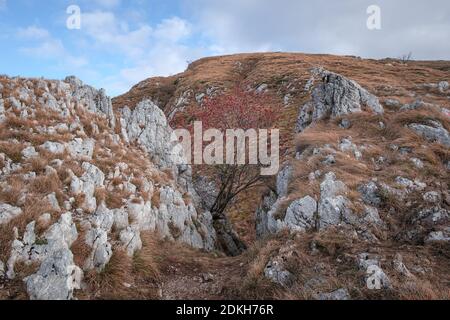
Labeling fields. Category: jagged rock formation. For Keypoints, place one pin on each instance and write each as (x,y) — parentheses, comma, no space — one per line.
(359,210)
(147,126)
(334,96)
(433,131)
(67,134)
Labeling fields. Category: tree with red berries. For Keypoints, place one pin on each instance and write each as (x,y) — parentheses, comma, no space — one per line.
(234,109)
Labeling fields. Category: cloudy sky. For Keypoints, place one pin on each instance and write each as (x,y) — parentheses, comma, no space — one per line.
(121,42)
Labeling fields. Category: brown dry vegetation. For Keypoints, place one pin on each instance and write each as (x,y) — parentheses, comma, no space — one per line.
(288,73)
(126,278)
(141,276)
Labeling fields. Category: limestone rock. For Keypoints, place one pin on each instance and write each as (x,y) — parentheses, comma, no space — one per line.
(301,214)
(207,190)
(92,178)
(103,218)
(417,163)
(53,147)
(29,152)
(53,201)
(336,96)
(264,219)
(375,276)
(94,100)
(377,279)
(333,207)
(147,125)
(131,240)
(2,269)
(276,272)
(29,236)
(283,179)
(432,197)
(121,220)
(338,295)
(410,185)
(400,267)
(101,252)
(275,269)
(443,86)
(370,193)
(8,212)
(433,131)
(64,232)
(417,105)
(346,145)
(56,279)
(81,149)
(439,236)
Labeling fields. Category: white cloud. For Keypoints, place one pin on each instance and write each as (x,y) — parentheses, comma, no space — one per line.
(150,51)
(41,44)
(106,29)
(324,26)
(136,49)
(172,30)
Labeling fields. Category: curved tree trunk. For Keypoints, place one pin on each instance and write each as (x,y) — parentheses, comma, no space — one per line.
(228,240)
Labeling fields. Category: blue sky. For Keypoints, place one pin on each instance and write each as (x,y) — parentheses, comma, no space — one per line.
(122,42)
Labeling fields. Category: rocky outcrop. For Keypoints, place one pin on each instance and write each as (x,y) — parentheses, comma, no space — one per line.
(264,215)
(301,215)
(60,236)
(147,125)
(94,100)
(101,252)
(332,209)
(276,269)
(81,128)
(338,295)
(8,212)
(375,277)
(433,131)
(56,279)
(131,240)
(335,96)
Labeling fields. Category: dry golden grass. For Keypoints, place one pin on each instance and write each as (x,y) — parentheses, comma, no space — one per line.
(16,289)
(156,199)
(114,199)
(79,200)
(317,136)
(46,184)
(111,282)
(38,164)
(12,150)
(100,195)
(144,262)
(80,249)
(74,166)
(14,192)
(253,284)
(174,230)
(125,277)
(423,290)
